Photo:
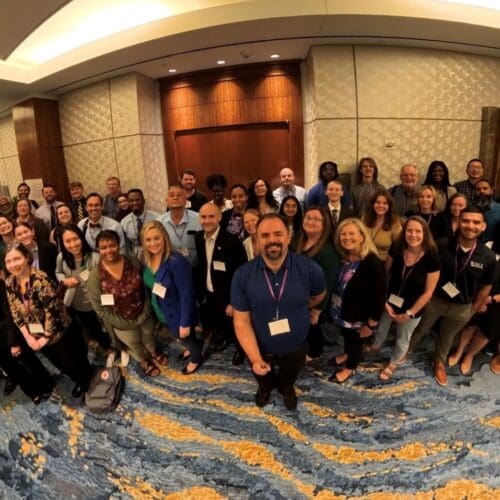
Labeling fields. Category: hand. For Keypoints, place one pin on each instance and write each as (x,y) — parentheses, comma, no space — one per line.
(402,318)
(15,351)
(184,331)
(483,308)
(390,310)
(229,311)
(261,367)
(314,316)
(365,332)
(71,282)
(40,343)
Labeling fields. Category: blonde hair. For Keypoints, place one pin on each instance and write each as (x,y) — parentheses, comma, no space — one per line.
(167,245)
(432,189)
(367,244)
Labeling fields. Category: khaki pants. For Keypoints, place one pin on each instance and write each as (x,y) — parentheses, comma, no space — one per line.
(454,318)
(140,341)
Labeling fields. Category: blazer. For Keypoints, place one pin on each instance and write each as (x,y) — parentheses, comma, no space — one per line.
(345,212)
(10,335)
(228,249)
(365,294)
(176,275)
(47,256)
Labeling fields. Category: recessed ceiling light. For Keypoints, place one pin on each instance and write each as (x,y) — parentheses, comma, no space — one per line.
(172,70)
(275,56)
(221,61)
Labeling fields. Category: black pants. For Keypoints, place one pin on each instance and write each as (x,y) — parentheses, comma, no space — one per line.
(214,317)
(352,347)
(288,368)
(91,325)
(26,369)
(315,339)
(69,354)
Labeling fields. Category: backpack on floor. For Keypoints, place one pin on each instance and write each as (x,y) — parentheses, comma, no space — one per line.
(105,390)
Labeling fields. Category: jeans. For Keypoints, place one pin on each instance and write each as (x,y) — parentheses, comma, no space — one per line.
(403,335)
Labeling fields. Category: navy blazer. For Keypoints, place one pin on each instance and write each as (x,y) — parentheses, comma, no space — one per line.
(175,274)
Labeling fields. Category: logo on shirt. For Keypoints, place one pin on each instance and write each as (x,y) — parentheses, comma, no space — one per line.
(477,265)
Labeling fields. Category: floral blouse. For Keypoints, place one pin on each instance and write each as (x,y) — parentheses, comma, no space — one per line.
(39,305)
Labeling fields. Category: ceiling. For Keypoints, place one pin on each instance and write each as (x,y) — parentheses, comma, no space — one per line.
(192,35)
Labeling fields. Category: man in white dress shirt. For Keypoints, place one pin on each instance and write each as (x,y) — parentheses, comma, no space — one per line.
(47,210)
(288,188)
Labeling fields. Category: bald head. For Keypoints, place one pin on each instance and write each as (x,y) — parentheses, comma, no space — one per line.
(210,217)
(287,177)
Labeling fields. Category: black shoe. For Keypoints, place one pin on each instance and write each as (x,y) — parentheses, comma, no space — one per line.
(222,345)
(238,358)
(262,398)
(185,371)
(10,386)
(77,391)
(290,398)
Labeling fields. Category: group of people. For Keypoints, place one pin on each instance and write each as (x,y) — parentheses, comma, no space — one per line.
(264,270)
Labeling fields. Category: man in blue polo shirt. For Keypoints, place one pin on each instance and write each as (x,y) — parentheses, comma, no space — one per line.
(271,296)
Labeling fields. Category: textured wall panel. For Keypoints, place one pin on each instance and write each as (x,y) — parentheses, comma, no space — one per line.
(155,170)
(334,82)
(308,90)
(85,114)
(124,108)
(91,163)
(13,175)
(419,142)
(148,96)
(8,145)
(129,162)
(310,155)
(404,82)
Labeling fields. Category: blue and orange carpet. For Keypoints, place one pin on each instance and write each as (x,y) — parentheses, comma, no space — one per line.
(202,437)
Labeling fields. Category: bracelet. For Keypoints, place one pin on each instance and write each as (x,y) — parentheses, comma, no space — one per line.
(410,314)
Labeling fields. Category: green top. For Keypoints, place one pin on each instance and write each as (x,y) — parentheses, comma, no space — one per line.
(328,259)
(148,278)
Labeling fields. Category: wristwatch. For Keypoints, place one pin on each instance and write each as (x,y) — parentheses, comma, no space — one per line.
(410,314)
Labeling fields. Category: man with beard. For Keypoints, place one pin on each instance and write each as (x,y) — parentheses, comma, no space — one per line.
(467,273)
(47,211)
(405,195)
(271,297)
(194,198)
(317,194)
(483,198)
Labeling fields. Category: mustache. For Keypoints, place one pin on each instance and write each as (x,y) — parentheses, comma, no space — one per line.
(270,245)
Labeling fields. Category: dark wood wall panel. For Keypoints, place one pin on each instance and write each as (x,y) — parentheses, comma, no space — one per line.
(213,113)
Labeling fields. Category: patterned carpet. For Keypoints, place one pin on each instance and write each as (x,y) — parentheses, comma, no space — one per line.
(203,437)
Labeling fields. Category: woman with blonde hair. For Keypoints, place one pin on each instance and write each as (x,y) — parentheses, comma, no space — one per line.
(358,297)
(168,279)
(250,219)
(381,218)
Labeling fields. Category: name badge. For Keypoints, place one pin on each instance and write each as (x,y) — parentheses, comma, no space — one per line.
(36,328)
(395,300)
(159,290)
(279,326)
(451,289)
(183,251)
(84,275)
(107,299)
(188,204)
(336,300)
(219,266)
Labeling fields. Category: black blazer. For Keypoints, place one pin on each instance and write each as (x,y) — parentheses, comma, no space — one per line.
(345,212)
(47,255)
(228,249)
(9,333)
(365,294)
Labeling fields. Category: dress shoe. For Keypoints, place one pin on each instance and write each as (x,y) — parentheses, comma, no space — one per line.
(10,386)
(440,373)
(290,398)
(262,398)
(77,391)
(238,358)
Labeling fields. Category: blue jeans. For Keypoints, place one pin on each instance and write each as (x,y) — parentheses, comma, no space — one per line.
(403,335)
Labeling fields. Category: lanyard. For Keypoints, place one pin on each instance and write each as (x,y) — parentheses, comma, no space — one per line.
(467,260)
(276,300)
(404,275)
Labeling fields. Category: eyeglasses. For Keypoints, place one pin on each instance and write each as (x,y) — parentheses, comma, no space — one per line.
(313,219)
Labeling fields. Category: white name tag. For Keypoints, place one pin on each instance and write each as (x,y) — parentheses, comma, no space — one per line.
(451,289)
(219,266)
(107,299)
(159,290)
(84,275)
(279,326)
(35,328)
(183,251)
(395,300)
(188,204)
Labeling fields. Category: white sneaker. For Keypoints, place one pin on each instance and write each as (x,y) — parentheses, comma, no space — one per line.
(110,360)
(124,358)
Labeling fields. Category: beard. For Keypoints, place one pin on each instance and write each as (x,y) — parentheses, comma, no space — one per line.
(273,251)
(482,201)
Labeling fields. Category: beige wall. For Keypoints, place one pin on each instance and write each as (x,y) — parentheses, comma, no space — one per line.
(113,128)
(10,168)
(358,101)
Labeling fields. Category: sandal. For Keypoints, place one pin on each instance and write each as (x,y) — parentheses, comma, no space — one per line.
(465,369)
(335,377)
(339,359)
(161,358)
(387,373)
(151,370)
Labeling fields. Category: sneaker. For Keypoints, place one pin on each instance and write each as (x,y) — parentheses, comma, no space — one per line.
(262,398)
(110,360)
(124,358)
